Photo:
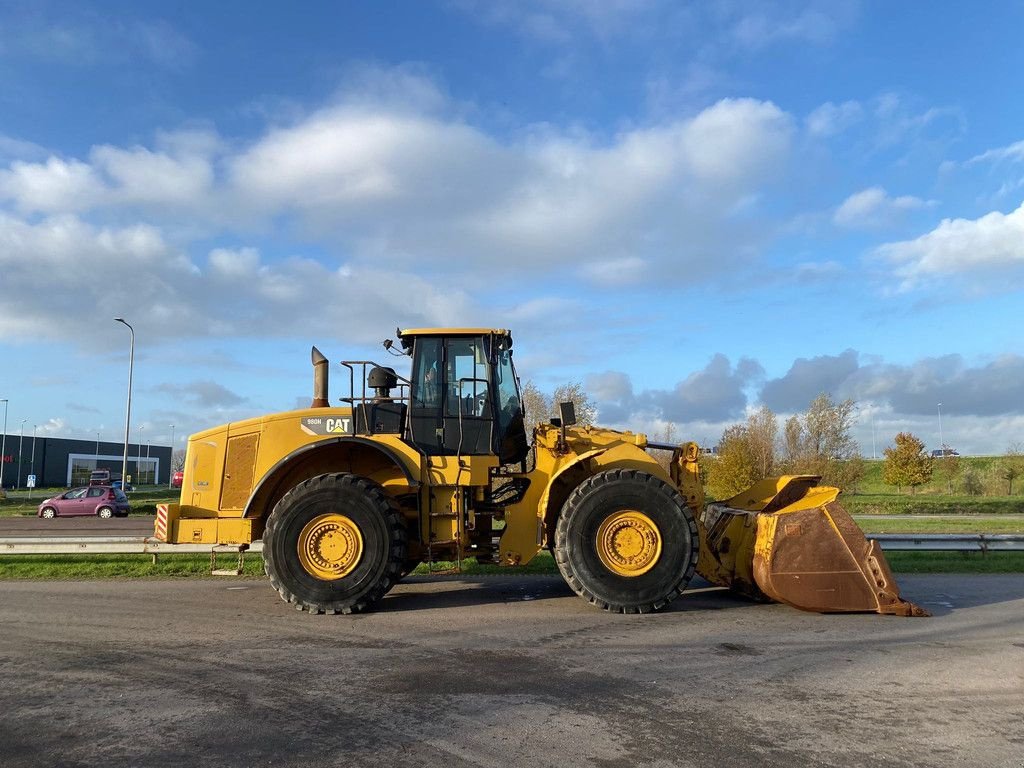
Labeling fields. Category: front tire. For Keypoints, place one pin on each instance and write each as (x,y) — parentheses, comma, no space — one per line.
(626,541)
(49,513)
(334,544)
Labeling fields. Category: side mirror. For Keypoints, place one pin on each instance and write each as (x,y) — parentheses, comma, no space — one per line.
(567,413)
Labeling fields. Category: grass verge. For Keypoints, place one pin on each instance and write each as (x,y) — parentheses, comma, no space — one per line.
(890,504)
(958,524)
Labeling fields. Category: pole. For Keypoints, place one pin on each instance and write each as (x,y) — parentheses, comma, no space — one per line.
(128,407)
(21,439)
(873,456)
(34,427)
(97,451)
(170,464)
(3,447)
(942,445)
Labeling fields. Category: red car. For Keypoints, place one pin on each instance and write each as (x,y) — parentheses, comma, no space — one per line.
(100,500)
(176,479)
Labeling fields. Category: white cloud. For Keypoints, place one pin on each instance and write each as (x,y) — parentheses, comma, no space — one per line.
(163,44)
(179,177)
(830,119)
(234,263)
(407,186)
(813,25)
(141,176)
(53,186)
(617,272)
(982,253)
(900,120)
(556,21)
(873,208)
(1013,153)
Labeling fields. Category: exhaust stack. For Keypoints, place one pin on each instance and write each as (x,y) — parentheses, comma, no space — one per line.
(320,376)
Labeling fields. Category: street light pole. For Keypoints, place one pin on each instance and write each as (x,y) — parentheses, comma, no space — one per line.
(942,445)
(17,480)
(128,407)
(3,447)
(33,472)
(170,464)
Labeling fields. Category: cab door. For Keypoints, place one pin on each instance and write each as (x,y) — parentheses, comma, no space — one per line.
(451,412)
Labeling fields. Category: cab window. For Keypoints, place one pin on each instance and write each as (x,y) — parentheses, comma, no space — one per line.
(467,378)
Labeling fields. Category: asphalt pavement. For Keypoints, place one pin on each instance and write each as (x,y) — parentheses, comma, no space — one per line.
(495,671)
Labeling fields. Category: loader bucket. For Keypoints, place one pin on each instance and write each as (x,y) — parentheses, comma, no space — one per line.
(788,539)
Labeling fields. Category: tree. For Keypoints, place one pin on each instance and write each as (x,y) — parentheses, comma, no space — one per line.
(762,432)
(1011,466)
(178,461)
(539,407)
(827,429)
(948,468)
(735,466)
(972,483)
(793,435)
(535,405)
(848,474)
(906,463)
(819,442)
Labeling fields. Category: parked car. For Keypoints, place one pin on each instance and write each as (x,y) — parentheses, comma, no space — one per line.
(100,477)
(177,478)
(100,500)
(127,486)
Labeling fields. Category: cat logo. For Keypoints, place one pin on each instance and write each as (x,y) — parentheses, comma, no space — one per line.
(318,425)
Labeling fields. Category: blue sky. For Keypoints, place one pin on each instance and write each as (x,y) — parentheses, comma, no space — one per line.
(692,209)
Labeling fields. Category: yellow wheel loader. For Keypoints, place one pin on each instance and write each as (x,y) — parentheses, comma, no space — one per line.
(438,466)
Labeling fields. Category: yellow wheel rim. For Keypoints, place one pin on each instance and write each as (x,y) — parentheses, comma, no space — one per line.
(628,543)
(330,547)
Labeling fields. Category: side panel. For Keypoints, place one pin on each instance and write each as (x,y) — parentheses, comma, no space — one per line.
(236,473)
(239,471)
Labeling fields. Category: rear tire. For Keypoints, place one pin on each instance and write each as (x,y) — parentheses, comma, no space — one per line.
(104,513)
(334,544)
(626,541)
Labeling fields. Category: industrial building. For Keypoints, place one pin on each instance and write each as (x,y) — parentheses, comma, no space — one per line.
(58,462)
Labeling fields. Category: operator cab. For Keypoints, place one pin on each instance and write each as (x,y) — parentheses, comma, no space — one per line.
(464,397)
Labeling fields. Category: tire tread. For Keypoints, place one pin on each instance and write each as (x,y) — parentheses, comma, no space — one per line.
(381,502)
(593,484)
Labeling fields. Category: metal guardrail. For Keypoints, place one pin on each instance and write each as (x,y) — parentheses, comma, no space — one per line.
(112,545)
(54,545)
(950,542)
